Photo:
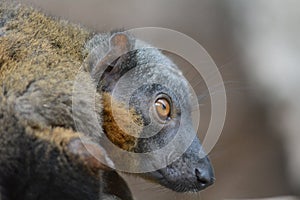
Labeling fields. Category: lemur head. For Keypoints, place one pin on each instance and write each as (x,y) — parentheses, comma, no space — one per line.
(150,86)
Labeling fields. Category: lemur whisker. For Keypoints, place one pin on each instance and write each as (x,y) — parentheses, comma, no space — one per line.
(199,195)
(212,74)
(225,83)
(206,94)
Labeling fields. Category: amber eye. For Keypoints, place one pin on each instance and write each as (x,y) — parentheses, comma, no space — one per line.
(163,108)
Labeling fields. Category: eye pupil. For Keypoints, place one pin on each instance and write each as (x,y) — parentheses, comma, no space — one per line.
(163,108)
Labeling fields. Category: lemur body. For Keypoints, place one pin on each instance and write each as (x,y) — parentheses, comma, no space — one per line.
(42,155)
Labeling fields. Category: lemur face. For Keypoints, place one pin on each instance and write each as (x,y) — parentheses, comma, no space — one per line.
(162,101)
(167,104)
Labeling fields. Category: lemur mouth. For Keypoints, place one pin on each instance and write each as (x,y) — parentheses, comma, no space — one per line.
(182,187)
(181,183)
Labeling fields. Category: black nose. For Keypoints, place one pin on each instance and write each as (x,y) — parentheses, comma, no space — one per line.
(205,177)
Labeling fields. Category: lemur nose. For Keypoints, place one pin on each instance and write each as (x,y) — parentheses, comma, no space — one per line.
(205,177)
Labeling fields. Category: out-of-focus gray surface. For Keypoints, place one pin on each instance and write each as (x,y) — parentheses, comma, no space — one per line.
(248,158)
(267,35)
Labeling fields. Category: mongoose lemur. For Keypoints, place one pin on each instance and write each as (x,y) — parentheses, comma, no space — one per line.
(43,155)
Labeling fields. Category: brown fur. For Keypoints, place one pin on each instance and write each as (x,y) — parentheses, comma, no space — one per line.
(35,46)
(124,137)
(39,59)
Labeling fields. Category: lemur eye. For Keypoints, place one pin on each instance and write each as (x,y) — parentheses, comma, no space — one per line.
(163,108)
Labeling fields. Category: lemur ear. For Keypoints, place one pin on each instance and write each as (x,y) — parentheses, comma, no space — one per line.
(92,155)
(119,44)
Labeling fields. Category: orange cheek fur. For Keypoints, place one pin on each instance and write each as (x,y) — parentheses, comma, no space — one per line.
(121,125)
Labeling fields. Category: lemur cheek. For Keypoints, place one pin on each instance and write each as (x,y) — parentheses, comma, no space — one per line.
(121,125)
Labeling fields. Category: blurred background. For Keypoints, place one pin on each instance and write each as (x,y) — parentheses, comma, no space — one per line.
(256,46)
